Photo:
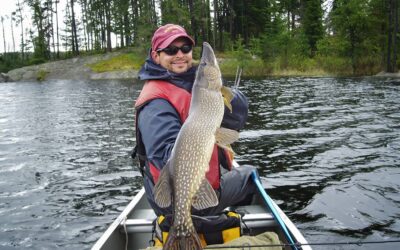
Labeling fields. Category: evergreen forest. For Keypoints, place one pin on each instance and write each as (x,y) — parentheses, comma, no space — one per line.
(342,37)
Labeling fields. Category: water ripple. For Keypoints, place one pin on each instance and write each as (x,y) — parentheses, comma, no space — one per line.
(327,149)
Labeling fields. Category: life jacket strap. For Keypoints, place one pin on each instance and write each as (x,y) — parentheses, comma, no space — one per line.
(216,229)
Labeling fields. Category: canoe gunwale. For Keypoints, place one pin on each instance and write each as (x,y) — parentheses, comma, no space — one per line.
(146,225)
(113,228)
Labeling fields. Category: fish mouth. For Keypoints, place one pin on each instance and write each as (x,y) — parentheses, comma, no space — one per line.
(207,55)
(208,74)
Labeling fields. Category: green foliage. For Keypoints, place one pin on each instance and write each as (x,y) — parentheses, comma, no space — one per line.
(238,50)
(292,62)
(293,36)
(368,65)
(228,43)
(255,46)
(97,46)
(41,75)
(312,23)
(246,59)
(298,44)
(121,62)
(331,46)
(251,68)
(251,17)
(174,12)
(41,21)
(239,56)
(275,40)
(120,13)
(4,65)
(37,60)
(196,52)
(334,65)
(9,61)
(351,24)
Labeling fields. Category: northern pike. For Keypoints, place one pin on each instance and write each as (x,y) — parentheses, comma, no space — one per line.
(182,181)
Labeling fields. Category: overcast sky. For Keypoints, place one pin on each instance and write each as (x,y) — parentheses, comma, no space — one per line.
(6,8)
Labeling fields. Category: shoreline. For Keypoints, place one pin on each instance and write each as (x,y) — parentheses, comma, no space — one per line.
(77,69)
(69,69)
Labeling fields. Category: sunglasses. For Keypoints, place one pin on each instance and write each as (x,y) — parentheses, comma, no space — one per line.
(173,50)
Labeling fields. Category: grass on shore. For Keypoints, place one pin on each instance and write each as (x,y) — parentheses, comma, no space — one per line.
(253,67)
(126,61)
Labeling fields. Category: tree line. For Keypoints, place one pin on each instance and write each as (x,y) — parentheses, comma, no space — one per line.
(338,35)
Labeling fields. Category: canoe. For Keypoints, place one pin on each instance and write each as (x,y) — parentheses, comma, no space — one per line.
(133,227)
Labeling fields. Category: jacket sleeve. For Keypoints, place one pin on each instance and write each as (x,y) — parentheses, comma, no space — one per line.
(240,108)
(159,125)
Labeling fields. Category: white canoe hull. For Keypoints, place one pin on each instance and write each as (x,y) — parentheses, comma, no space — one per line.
(133,227)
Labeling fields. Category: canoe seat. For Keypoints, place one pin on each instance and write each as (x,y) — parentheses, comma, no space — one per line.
(253,221)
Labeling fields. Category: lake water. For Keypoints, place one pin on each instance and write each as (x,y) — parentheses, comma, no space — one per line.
(328,149)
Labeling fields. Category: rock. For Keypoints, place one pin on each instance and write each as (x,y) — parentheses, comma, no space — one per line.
(70,69)
(4,78)
(387,74)
(24,74)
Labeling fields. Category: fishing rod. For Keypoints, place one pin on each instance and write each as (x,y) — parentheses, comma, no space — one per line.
(274,212)
(358,243)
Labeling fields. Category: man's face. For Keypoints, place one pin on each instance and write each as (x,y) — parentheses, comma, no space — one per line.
(178,63)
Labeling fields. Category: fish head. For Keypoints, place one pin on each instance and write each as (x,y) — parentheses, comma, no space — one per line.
(208,74)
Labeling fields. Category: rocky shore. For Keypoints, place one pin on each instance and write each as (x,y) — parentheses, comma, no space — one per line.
(69,69)
(386,74)
(78,69)
(4,78)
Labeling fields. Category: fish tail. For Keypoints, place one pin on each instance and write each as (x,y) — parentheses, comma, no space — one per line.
(191,241)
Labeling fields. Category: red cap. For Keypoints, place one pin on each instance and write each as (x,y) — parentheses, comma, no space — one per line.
(166,34)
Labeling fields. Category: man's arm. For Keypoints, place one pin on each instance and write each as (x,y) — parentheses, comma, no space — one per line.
(159,125)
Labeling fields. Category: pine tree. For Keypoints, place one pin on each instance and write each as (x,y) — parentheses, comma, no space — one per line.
(353,26)
(4,34)
(393,30)
(40,11)
(75,44)
(20,21)
(311,22)
(172,11)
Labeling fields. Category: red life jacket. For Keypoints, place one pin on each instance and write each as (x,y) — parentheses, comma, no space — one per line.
(180,99)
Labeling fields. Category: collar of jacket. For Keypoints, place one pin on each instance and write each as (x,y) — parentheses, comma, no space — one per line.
(152,71)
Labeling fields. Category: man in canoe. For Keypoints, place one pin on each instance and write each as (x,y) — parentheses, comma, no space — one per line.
(163,106)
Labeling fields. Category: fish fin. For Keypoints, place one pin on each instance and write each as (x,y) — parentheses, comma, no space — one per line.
(191,241)
(162,190)
(225,136)
(228,96)
(205,196)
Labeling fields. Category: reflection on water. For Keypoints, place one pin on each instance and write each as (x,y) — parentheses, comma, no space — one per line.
(328,149)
